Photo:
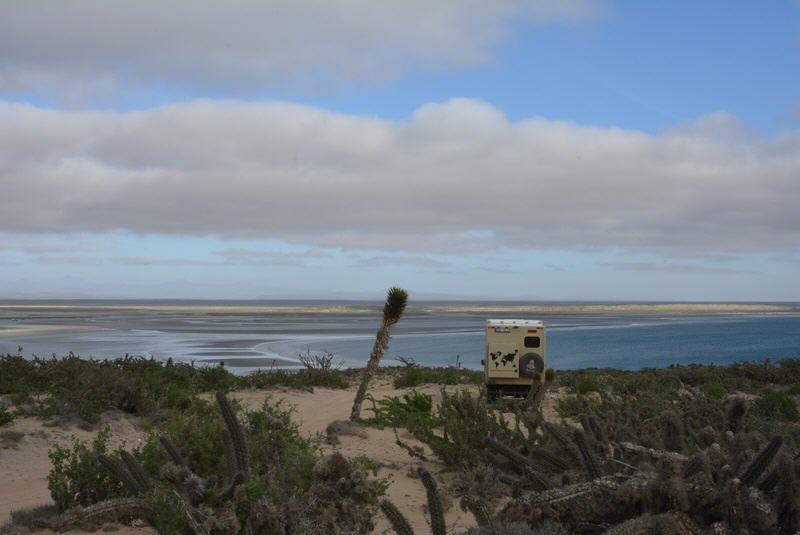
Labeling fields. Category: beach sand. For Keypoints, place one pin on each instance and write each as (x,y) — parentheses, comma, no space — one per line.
(23,470)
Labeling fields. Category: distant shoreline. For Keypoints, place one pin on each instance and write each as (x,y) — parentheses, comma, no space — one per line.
(18,310)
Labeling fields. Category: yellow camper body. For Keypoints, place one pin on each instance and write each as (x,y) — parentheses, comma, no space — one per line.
(516,354)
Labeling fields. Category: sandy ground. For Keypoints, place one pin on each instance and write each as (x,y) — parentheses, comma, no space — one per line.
(23,469)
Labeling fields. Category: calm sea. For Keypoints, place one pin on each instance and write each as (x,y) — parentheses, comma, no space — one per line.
(247,339)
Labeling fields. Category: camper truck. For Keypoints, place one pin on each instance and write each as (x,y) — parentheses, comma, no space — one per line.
(515,356)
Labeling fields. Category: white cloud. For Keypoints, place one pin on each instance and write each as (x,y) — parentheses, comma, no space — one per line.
(456,177)
(87,48)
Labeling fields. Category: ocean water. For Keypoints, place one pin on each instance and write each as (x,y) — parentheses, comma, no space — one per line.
(249,338)
(623,342)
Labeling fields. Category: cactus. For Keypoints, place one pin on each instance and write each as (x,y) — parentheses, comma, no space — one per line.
(106,510)
(770,481)
(479,510)
(694,465)
(761,462)
(597,430)
(434,503)
(558,435)
(556,462)
(735,412)
(522,463)
(393,308)
(136,470)
(172,451)
(589,461)
(118,470)
(238,438)
(673,437)
(231,466)
(396,518)
(787,501)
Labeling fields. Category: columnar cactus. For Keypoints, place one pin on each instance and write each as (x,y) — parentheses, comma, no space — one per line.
(136,470)
(396,518)
(434,503)
(589,460)
(172,451)
(119,471)
(761,462)
(479,510)
(238,438)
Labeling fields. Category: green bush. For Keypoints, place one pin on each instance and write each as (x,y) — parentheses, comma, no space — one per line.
(413,409)
(6,416)
(303,379)
(77,478)
(716,391)
(412,375)
(584,386)
(776,405)
(276,482)
(75,386)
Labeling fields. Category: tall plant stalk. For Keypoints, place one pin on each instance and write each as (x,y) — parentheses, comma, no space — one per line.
(395,304)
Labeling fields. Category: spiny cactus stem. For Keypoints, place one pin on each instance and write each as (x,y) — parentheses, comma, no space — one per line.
(109,509)
(238,438)
(556,433)
(396,518)
(434,503)
(549,458)
(228,491)
(761,462)
(479,510)
(172,451)
(118,470)
(589,461)
(136,471)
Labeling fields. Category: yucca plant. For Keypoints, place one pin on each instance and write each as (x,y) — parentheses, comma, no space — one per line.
(393,308)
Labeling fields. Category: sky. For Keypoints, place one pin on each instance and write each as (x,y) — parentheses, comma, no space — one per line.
(506,149)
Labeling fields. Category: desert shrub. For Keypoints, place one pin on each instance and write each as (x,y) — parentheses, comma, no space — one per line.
(775,404)
(265,478)
(77,478)
(410,376)
(716,391)
(136,385)
(6,416)
(319,370)
(195,431)
(586,385)
(33,518)
(413,410)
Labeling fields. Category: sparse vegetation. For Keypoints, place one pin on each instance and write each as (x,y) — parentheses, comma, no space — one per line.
(254,473)
(75,387)
(687,449)
(410,376)
(6,416)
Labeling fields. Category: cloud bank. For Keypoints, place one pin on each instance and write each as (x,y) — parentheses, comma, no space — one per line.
(455,177)
(83,48)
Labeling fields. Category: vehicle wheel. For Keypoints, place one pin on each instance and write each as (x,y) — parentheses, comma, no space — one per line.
(492,392)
